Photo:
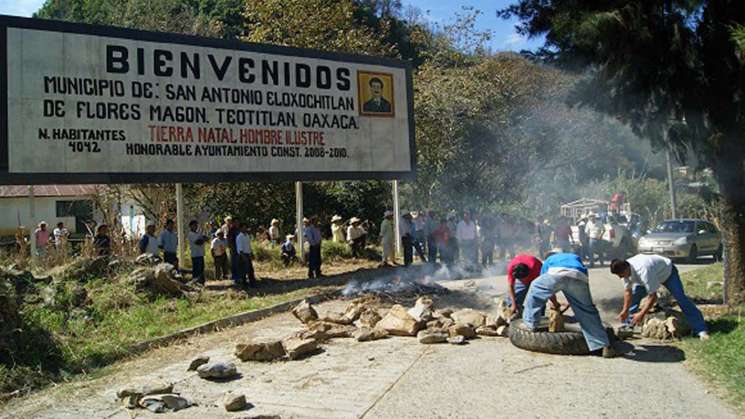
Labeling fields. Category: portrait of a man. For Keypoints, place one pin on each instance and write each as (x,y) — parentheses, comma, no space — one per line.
(376,94)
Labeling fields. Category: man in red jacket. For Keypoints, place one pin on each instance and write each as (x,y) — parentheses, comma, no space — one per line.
(521,271)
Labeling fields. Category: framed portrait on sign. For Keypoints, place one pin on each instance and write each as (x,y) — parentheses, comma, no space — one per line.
(375,94)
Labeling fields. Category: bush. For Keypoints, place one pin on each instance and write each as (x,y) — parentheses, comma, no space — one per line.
(331,250)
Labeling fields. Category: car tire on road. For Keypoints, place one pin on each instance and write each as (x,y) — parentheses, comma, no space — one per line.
(570,342)
(693,254)
(718,254)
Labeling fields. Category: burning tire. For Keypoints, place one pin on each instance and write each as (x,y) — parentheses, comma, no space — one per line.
(570,342)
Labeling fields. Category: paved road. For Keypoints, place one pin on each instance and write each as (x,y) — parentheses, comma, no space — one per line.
(399,378)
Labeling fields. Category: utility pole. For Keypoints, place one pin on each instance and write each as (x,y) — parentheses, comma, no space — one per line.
(180,222)
(299,220)
(671,184)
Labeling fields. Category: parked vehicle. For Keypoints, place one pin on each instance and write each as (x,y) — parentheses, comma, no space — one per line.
(684,238)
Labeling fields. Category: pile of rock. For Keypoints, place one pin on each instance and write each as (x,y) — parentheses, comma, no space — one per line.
(665,325)
(157,398)
(161,279)
(362,321)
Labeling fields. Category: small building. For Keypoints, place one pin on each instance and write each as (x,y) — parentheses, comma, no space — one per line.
(70,204)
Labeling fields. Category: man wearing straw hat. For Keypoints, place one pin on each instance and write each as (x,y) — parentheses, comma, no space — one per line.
(387,238)
(337,229)
(274,231)
(287,250)
(356,236)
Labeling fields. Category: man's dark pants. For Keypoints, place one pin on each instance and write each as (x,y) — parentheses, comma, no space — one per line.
(197,268)
(314,261)
(172,258)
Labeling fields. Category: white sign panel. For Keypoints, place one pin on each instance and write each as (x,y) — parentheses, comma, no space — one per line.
(97,104)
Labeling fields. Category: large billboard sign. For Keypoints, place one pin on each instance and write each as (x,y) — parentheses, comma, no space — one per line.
(93,104)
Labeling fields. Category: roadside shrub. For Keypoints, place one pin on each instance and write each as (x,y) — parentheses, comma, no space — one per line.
(333,251)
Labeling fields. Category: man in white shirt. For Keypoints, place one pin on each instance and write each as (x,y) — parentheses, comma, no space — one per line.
(219,247)
(356,237)
(196,247)
(148,242)
(467,236)
(61,234)
(243,248)
(168,241)
(595,230)
(642,276)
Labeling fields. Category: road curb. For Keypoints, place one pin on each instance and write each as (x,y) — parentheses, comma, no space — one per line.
(230,321)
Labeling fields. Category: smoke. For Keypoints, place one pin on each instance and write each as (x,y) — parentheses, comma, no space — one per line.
(425,279)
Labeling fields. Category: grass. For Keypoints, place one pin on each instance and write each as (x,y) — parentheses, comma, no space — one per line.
(61,340)
(721,360)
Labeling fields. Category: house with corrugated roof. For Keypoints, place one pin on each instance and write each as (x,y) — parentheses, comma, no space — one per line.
(70,204)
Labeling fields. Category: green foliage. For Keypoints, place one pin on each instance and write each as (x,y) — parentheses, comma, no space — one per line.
(335,251)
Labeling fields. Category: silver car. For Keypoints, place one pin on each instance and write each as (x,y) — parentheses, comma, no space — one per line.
(683,238)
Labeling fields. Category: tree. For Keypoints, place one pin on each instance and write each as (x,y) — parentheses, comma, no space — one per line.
(672,70)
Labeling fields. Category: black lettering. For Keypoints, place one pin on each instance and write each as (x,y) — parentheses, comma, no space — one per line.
(222,68)
(192,65)
(302,75)
(267,72)
(161,60)
(244,70)
(343,82)
(117,59)
(323,77)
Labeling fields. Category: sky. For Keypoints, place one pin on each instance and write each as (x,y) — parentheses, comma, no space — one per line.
(441,12)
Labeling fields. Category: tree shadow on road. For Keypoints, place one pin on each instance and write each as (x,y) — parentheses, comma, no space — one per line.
(651,353)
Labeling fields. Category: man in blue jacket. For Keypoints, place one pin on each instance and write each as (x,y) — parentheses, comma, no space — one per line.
(565,272)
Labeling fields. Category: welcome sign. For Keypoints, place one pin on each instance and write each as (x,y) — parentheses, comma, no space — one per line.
(92,104)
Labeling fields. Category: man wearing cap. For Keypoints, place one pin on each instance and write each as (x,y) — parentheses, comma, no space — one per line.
(313,236)
(337,229)
(356,237)
(521,271)
(467,236)
(245,255)
(565,272)
(418,220)
(594,230)
(287,250)
(430,225)
(642,276)
(387,239)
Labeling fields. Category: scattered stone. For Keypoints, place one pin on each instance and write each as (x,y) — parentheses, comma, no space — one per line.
(368,318)
(85,268)
(430,337)
(399,322)
(145,390)
(624,333)
(297,348)
(235,403)
(260,351)
(457,340)
(332,330)
(487,331)
(337,318)
(445,312)
(163,403)
(555,321)
(496,321)
(366,334)
(464,330)
(217,370)
(665,298)
(503,331)
(78,296)
(667,325)
(147,259)
(305,312)
(196,362)
(165,280)
(422,310)
(469,316)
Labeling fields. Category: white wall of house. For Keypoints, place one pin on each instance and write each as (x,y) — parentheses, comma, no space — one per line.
(15,212)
